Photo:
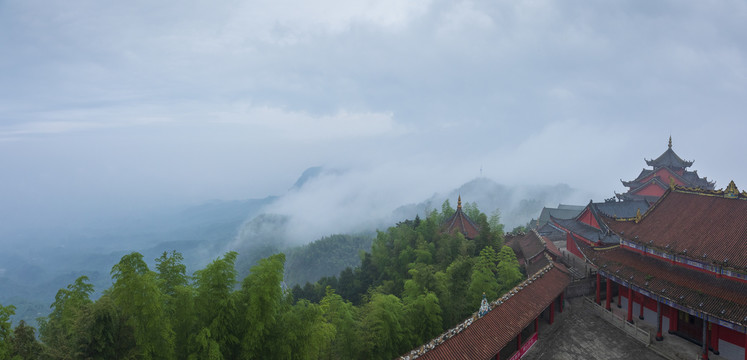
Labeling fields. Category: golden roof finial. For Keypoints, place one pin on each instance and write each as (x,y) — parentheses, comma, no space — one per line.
(731,190)
(459,202)
(670,141)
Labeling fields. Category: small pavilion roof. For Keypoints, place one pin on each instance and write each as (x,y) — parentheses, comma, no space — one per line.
(669,159)
(720,297)
(462,223)
(705,225)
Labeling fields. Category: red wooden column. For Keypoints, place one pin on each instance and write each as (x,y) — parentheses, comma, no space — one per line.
(518,341)
(609,294)
(745,346)
(498,356)
(619,296)
(552,312)
(643,303)
(659,337)
(599,281)
(630,304)
(714,337)
(674,318)
(537,325)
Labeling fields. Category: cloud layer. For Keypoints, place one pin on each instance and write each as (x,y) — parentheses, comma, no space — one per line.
(131,106)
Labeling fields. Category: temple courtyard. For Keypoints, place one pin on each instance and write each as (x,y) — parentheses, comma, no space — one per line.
(580,333)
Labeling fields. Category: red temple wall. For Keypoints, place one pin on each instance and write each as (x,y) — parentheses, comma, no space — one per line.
(664,174)
(651,190)
(734,337)
(588,219)
(571,246)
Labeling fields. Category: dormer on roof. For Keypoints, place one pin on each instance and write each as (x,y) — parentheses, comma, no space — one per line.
(462,223)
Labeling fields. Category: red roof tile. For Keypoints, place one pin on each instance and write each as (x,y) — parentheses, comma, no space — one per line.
(462,223)
(698,224)
(485,337)
(719,297)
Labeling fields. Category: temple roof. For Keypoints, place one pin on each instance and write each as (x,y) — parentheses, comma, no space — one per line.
(669,159)
(622,209)
(561,212)
(704,225)
(719,297)
(551,232)
(530,247)
(617,209)
(483,337)
(588,232)
(666,167)
(688,178)
(462,223)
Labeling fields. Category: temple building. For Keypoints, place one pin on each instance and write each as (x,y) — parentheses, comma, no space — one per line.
(668,167)
(507,327)
(589,227)
(460,222)
(681,266)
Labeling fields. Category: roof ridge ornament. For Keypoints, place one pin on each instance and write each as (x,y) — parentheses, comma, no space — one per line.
(638,216)
(483,306)
(459,202)
(731,191)
(671,182)
(670,141)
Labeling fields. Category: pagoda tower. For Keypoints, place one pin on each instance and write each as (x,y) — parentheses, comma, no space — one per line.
(668,169)
(460,222)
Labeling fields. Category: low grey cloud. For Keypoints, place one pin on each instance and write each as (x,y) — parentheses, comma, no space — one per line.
(126,107)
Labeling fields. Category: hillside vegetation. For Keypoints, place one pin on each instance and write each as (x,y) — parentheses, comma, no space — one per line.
(415,282)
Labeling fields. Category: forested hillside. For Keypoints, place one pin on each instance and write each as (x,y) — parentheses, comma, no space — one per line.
(415,282)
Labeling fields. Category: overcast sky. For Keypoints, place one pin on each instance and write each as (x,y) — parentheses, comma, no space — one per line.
(128,106)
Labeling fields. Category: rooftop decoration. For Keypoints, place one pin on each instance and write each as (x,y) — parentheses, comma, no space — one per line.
(483,306)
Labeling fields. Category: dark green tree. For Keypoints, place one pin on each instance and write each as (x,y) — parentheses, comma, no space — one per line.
(172,273)
(61,331)
(136,293)
(483,279)
(24,343)
(342,315)
(5,330)
(383,327)
(446,210)
(300,332)
(457,278)
(508,270)
(216,307)
(262,296)
(105,334)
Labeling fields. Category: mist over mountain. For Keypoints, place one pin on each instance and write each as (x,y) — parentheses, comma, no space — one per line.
(331,201)
(322,202)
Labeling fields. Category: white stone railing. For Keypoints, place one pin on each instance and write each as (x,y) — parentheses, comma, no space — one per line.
(619,322)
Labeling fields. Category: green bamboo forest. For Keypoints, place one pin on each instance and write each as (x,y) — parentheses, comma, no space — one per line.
(415,282)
